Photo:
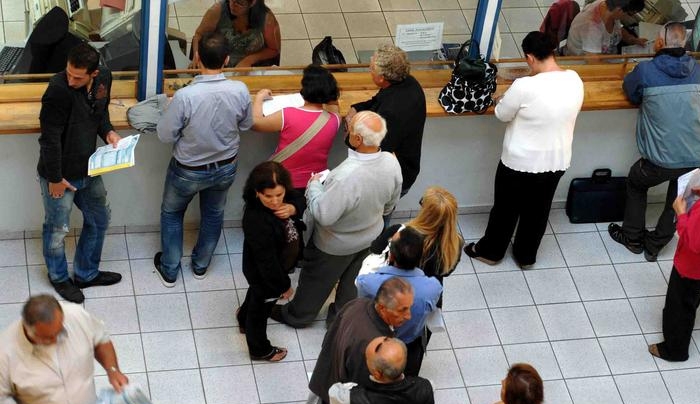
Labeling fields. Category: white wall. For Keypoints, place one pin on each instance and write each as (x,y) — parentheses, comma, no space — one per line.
(460,153)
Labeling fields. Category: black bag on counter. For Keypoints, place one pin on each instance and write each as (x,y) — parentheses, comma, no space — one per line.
(325,53)
(600,198)
(472,84)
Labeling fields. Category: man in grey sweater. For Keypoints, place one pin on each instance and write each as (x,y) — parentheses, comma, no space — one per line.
(347,210)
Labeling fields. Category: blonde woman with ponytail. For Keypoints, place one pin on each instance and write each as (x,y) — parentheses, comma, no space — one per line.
(437,221)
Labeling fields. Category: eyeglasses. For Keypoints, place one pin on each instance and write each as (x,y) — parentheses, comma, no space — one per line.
(379,345)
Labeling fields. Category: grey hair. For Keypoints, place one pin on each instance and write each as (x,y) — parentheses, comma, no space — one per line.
(673,34)
(40,309)
(391,62)
(386,295)
(370,137)
(390,368)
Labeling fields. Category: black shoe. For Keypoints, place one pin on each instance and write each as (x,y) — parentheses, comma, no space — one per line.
(165,280)
(470,250)
(616,233)
(649,256)
(103,278)
(199,273)
(69,291)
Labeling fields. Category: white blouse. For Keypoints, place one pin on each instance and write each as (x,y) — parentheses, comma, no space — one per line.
(541,112)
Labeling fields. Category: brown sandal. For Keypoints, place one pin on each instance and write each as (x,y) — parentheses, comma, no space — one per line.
(276,355)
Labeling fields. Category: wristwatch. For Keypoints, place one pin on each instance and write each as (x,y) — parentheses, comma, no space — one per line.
(112,369)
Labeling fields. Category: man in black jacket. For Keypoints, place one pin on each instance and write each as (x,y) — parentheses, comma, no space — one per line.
(74,111)
(386,360)
(401,102)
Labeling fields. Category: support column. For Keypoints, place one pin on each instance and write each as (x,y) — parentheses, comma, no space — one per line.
(152,47)
(484,31)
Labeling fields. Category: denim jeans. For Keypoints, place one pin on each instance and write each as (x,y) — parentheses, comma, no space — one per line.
(91,199)
(181,185)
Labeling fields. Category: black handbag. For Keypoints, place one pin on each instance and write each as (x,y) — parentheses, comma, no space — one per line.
(472,84)
(599,198)
(325,53)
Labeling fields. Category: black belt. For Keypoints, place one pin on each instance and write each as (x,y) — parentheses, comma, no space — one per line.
(209,166)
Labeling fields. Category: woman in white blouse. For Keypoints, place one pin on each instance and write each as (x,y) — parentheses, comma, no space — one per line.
(541,112)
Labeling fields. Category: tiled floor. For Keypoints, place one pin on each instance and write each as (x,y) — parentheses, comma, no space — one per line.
(583,317)
(354,24)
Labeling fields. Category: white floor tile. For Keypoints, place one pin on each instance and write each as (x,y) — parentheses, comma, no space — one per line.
(15,283)
(505,289)
(682,385)
(612,317)
(560,223)
(551,286)
(114,248)
(484,365)
(484,394)
(212,309)
(556,392)
(179,386)
(539,355)
(581,249)
(549,254)
(234,240)
(143,245)
(693,355)
(219,276)
(271,390)
(565,321)
(648,311)
(594,390)
(627,354)
(440,367)
(12,253)
(146,281)
(643,279)
(129,353)
(451,396)
(221,347)
(159,349)
(218,385)
(597,282)
(190,239)
(462,292)
(518,325)
(163,312)
(470,328)
(643,388)
(580,358)
(9,313)
(118,313)
(473,226)
(310,339)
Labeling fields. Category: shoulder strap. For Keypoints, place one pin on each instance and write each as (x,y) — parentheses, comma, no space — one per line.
(302,140)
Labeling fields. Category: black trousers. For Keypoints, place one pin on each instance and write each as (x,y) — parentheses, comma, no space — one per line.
(682,301)
(253,316)
(643,175)
(414,355)
(522,196)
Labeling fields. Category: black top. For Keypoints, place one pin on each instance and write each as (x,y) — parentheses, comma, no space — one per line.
(410,390)
(264,243)
(402,105)
(71,119)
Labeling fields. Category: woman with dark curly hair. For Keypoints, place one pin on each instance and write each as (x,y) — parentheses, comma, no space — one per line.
(271,230)
(251,30)
(522,385)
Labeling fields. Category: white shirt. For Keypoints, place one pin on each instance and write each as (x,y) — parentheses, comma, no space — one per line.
(541,112)
(588,34)
(32,374)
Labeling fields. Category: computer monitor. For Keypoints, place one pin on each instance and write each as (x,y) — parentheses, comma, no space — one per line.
(115,23)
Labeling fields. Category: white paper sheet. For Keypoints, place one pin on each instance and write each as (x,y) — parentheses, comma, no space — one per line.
(281,101)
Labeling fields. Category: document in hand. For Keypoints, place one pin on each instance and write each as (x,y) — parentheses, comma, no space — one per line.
(277,102)
(686,183)
(108,158)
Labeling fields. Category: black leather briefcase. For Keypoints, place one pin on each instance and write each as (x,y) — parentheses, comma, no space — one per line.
(600,198)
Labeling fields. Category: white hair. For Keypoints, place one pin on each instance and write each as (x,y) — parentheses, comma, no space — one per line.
(370,137)
(673,35)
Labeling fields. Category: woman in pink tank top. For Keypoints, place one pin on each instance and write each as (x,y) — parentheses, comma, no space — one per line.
(319,90)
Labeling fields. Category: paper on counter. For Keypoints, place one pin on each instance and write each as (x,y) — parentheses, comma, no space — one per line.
(277,102)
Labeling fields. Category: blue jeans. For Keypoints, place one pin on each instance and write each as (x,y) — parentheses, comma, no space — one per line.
(181,185)
(91,199)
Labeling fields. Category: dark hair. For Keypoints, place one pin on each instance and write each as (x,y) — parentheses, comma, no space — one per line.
(540,45)
(318,85)
(40,309)
(634,6)
(213,50)
(256,13)
(84,56)
(268,174)
(407,249)
(523,385)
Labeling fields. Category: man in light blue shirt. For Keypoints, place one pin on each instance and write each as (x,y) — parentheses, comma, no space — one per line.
(405,250)
(203,122)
